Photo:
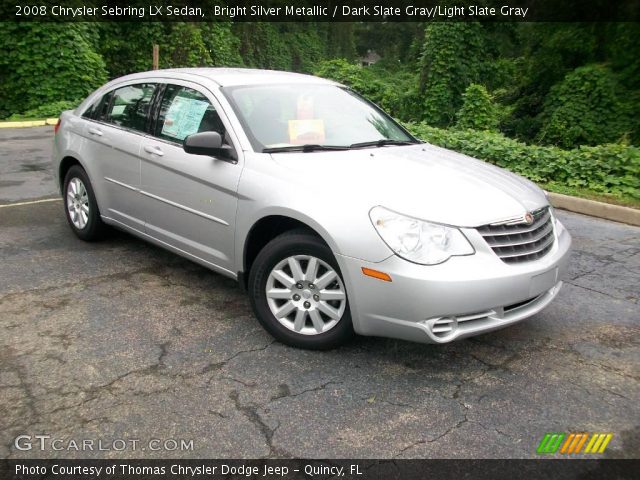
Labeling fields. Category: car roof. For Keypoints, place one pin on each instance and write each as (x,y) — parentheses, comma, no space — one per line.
(226,77)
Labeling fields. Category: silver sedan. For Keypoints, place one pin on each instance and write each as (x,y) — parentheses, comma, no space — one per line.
(333,217)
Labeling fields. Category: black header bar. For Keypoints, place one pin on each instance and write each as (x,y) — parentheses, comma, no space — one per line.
(321,10)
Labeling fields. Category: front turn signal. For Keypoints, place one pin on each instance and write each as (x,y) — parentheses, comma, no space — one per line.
(369,272)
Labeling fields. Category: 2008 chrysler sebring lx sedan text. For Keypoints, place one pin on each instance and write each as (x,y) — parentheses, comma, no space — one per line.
(331,214)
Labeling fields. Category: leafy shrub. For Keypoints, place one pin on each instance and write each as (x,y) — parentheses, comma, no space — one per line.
(611,168)
(47,110)
(583,109)
(46,62)
(478,110)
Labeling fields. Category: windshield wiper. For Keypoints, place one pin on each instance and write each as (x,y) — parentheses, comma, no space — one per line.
(381,143)
(309,147)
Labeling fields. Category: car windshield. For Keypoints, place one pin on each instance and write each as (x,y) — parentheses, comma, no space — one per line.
(311,117)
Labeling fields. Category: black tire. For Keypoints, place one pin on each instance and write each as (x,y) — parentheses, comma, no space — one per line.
(94,229)
(295,242)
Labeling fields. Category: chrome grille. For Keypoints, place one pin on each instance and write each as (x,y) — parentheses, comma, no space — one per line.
(519,242)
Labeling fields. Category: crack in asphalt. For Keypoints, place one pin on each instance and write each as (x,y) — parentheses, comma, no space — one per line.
(632,300)
(251,413)
(286,392)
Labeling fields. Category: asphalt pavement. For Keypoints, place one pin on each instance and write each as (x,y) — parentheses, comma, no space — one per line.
(122,341)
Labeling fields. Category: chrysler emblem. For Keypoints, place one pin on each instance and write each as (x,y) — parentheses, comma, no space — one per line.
(528,218)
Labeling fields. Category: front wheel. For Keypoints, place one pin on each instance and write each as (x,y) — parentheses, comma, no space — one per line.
(298,294)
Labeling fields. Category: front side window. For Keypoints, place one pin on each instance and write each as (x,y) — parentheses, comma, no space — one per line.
(299,114)
(183,112)
(129,107)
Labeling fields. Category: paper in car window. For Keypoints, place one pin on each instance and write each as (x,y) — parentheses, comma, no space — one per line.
(117,110)
(302,132)
(184,117)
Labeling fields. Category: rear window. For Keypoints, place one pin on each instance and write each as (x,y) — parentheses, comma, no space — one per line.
(129,106)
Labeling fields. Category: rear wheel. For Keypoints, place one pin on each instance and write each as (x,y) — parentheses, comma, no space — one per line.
(81,206)
(298,294)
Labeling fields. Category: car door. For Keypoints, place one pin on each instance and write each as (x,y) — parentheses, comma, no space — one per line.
(190,200)
(114,136)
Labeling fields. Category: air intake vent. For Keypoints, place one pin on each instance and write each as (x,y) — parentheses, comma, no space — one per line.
(519,242)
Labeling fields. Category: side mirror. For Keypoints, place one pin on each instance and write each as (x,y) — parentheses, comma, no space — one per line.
(210,144)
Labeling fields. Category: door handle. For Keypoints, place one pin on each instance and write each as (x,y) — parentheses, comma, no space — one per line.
(153,150)
(95,131)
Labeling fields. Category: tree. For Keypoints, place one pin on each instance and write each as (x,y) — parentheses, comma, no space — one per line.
(452,57)
(341,40)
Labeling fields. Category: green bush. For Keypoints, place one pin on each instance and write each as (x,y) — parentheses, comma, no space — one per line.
(583,109)
(42,63)
(478,110)
(611,168)
(47,110)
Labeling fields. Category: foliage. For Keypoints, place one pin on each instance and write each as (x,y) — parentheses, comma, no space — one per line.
(221,44)
(281,46)
(567,84)
(341,41)
(611,168)
(478,110)
(393,41)
(34,71)
(47,110)
(185,47)
(453,56)
(127,46)
(583,109)
(395,92)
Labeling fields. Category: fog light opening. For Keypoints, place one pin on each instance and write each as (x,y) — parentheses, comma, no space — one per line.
(444,326)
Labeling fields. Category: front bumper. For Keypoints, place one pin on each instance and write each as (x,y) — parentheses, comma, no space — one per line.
(461,297)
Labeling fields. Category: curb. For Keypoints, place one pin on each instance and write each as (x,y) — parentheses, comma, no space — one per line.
(29,123)
(607,211)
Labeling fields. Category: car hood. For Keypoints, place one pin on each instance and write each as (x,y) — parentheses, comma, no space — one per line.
(423,181)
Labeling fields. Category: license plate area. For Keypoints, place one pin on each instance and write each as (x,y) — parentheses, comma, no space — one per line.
(543,282)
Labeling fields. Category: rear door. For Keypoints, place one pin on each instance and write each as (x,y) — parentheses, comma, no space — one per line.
(190,200)
(114,132)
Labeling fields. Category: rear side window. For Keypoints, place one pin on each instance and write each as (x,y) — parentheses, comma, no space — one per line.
(91,111)
(130,105)
(99,109)
(183,112)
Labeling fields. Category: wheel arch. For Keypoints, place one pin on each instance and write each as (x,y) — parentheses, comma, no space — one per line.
(65,164)
(266,229)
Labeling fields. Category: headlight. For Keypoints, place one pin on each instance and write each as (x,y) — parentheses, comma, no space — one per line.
(419,241)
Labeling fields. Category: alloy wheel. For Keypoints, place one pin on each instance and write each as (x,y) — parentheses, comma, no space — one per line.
(306,295)
(78,203)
